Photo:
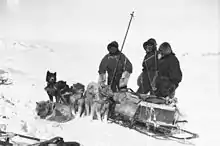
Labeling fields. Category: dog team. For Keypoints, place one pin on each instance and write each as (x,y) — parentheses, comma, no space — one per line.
(161,75)
(93,102)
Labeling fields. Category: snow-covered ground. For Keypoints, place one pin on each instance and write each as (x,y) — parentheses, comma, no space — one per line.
(27,63)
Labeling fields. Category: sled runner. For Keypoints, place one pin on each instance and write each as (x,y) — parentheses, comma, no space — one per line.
(151,115)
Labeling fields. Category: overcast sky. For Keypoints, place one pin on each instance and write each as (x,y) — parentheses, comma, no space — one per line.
(189,25)
(89,25)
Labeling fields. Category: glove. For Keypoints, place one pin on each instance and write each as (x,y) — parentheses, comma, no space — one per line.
(172,91)
(159,56)
(124,79)
(102,79)
(172,88)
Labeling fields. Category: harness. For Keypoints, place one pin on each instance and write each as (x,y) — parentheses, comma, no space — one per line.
(151,81)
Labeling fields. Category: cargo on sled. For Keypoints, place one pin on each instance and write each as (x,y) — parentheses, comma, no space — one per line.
(154,116)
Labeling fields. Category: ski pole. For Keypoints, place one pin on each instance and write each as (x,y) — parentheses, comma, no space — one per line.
(115,70)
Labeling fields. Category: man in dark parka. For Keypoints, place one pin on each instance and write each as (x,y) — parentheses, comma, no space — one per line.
(169,72)
(149,67)
(109,63)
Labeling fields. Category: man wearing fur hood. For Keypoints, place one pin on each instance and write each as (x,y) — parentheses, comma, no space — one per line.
(108,64)
(169,71)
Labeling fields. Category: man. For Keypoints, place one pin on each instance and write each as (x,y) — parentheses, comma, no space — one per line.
(169,72)
(146,78)
(118,79)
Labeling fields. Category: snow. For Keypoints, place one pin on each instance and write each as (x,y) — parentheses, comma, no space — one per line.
(27,63)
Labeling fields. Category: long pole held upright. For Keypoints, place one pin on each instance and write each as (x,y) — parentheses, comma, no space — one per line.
(114,74)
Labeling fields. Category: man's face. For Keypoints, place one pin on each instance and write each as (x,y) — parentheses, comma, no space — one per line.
(113,50)
(148,48)
(164,51)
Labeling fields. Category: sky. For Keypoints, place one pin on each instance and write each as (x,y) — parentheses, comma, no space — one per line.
(184,23)
(86,27)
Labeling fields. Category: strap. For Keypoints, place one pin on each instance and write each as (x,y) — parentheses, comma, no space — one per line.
(124,65)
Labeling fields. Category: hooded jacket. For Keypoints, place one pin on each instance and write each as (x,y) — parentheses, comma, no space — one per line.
(109,63)
(168,66)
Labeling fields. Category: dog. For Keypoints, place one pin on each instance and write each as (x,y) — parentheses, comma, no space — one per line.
(51,79)
(90,95)
(96,100)
(105,100)
(54,111)
(54,88)
(76,99)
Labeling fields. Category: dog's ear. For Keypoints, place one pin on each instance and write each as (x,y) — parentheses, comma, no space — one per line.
(55,73)
(47,75)
(80,86)
(37,103)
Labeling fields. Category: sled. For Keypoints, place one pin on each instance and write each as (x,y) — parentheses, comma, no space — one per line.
(153,116)
(6,139)
(57,141)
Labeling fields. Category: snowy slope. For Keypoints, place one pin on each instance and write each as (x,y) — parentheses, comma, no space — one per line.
(28,62)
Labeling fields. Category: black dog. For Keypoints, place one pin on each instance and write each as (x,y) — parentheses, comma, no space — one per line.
(54,88)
